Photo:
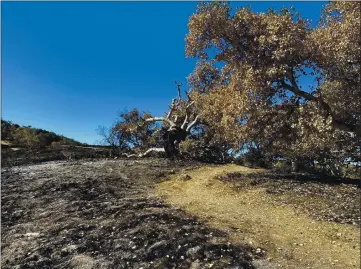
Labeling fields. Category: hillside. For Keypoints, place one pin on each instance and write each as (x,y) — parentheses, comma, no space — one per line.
(28,136)
(27,145)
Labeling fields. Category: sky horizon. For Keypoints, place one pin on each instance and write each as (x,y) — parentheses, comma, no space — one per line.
(69,67)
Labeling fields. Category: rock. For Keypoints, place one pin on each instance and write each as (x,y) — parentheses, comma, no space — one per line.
(69,249)
(157,248)
(32,234)
(195,265)
(193,252)
(184,177)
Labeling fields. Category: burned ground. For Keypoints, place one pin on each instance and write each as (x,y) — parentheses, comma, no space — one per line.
(11,156)
(102,214)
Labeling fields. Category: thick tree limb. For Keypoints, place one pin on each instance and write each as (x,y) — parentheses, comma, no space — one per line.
(171,123)
(140,155)
(294,88)
(336,123)
(185,122)
(190,104)
(151,150)
(353,128)
(172,108)
(130,155)
(176,118)
(192,124)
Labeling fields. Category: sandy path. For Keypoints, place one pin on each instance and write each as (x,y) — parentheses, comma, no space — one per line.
(291,240)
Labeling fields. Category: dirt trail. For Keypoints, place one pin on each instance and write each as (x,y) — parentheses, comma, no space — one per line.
(290,238)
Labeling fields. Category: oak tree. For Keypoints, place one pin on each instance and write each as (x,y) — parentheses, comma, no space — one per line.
(271,78)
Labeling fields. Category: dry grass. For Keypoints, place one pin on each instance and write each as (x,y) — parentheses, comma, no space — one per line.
(290,238)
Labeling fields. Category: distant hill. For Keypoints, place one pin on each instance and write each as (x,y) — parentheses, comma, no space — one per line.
(27,136)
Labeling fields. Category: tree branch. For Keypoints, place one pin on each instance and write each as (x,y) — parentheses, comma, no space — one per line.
(190,104)
(171,123)
(175,119)
(294,88)
(336,123)
(179,85)
(353,128)
(185,122)
(188,96)
(140,155)
(192,124)
(172,108)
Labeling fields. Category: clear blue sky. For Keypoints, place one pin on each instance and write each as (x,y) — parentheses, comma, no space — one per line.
(68,67)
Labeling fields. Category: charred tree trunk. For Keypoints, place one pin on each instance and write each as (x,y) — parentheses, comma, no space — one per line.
(172,138)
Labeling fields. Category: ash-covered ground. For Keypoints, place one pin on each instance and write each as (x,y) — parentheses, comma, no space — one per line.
(103,214)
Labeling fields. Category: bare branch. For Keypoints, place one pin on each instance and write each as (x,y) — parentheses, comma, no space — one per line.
(130,155)
(192,124)
(190,104)
(140,155)
(107,134)
(188,95)
(179,89)
(171,123)
(152,150)
(185,122)
(172,108)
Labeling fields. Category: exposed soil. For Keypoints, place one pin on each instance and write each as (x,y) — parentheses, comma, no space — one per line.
(321,197)
(103,214)
(297,222)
